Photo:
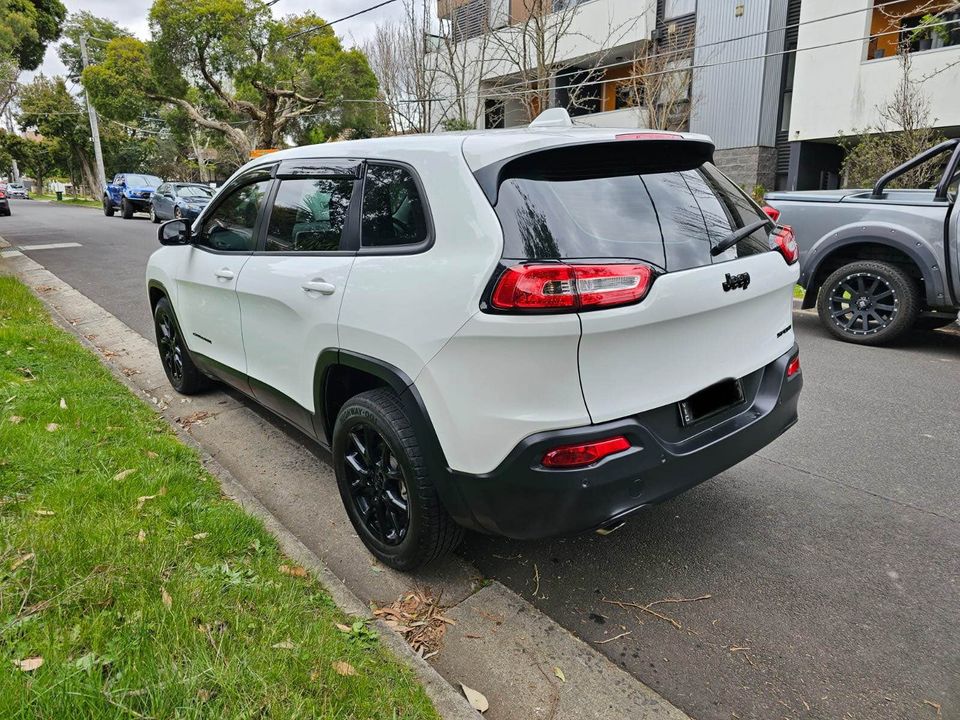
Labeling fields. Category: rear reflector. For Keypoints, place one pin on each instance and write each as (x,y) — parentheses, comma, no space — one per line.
(572,287)
(793,367)
(771,212)
(649,136)
(786,243)
(574,456)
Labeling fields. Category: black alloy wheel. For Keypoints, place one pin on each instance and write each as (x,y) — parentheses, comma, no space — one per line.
(868,302)
(378,488)
(184,376)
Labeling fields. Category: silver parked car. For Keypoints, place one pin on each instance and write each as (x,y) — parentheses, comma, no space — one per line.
(879,262)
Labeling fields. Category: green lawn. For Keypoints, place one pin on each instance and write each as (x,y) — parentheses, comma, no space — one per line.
(146,593)
(68,200)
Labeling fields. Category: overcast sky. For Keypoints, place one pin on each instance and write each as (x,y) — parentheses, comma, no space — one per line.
(133,15)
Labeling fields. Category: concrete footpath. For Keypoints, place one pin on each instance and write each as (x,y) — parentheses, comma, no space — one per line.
(524,663)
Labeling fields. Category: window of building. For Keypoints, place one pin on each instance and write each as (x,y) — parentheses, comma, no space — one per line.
(392,212)
(913,26)
(677,8)
(230,226)
(309,215)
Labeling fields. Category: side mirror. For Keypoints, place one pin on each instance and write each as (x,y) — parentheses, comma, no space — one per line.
(174,232)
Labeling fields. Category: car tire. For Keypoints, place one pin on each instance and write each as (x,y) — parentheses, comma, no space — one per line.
(384,483)
(107,206)
(869,303)
(935,322)
(184,376)
(126,209)
(153,215)
(177,214)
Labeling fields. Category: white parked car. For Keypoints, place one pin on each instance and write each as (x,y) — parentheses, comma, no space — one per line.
(525,332)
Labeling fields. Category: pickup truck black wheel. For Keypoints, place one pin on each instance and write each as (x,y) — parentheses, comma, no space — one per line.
(869,303)
(385,486)
(126,209)
(183,375)
(107,206)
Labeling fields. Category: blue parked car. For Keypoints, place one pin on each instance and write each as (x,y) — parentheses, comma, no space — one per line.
(130,193)
(179,200)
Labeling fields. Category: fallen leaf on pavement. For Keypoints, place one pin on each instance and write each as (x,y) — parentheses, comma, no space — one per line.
(16,419)
(293,571)
(123,474)
(142,536)
(21,560)
(193,418)
(29,664)
(45,513)
(344,668)
(52,427)
(477,700)
(165,596)
(285,645)
(559,673)
(63,404)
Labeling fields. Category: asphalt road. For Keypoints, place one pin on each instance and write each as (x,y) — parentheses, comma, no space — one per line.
(823,576)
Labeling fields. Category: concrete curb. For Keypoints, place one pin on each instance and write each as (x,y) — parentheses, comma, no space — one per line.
(501,645)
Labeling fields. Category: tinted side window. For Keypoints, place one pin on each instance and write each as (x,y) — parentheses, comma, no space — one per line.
(309,214)
(726,208)
(230,225)
(392,212)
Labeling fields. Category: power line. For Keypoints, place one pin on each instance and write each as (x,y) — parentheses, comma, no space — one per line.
(338,20)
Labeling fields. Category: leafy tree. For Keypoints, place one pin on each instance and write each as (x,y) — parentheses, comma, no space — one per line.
(86,23)
(234,69)
(26,27)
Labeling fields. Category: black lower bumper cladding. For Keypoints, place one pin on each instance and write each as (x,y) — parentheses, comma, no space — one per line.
(521,499)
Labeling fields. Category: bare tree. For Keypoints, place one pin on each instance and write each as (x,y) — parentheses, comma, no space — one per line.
(462,62)
(904,131)
(660,81)
(400,54)
(530,51)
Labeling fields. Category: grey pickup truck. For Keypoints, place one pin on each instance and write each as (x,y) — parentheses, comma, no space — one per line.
(879,262)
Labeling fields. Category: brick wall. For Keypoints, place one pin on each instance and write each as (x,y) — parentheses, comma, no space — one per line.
(749,166)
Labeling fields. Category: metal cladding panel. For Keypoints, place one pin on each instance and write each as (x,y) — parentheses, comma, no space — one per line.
(727,97)
(773,73)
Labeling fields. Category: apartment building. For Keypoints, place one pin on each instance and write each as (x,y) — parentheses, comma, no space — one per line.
(729,55)
(847,66)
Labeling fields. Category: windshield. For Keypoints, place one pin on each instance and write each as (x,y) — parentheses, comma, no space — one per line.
(143,180)
(195,191)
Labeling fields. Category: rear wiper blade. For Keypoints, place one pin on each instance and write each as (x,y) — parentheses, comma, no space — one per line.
(738,235)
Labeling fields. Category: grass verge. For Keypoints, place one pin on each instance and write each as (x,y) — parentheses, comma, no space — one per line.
(798,292)
(129,587)
(68,200)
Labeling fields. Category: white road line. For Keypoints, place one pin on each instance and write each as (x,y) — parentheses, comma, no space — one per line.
(49,246)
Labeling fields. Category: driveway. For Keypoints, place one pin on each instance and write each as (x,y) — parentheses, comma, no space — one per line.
(819,579)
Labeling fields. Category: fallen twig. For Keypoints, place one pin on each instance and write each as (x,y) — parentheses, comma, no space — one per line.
(648,607)
(615,637)
(536,578)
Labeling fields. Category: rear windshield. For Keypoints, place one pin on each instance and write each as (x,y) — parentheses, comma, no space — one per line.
(669,219)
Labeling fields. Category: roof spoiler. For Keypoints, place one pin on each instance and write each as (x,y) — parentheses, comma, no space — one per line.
(629,154)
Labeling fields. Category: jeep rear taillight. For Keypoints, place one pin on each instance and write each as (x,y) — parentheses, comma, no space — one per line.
(571,287)
(577,456)
(771,212)
(786,243)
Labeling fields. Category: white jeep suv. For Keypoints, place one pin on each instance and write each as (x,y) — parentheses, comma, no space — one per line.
(524,332)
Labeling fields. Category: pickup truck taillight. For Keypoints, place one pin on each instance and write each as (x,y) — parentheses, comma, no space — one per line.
(786,243)
(562,287)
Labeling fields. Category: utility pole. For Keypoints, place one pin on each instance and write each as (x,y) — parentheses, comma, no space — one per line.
(94,125)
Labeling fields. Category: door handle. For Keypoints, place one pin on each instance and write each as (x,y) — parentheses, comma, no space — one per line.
(224,274)
(324,288)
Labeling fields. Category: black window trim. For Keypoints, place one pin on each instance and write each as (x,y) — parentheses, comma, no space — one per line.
(254,175)
(412,248)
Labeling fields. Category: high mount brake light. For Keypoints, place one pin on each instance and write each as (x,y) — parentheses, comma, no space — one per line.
(648,136)
(571,287)
(771,212)
(786,243)
(575,456)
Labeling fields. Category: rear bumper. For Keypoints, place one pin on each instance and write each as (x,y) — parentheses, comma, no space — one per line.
(521,499)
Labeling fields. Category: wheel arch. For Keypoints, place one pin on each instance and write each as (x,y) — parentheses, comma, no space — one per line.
(341,374)
(155,291)
(896,246)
